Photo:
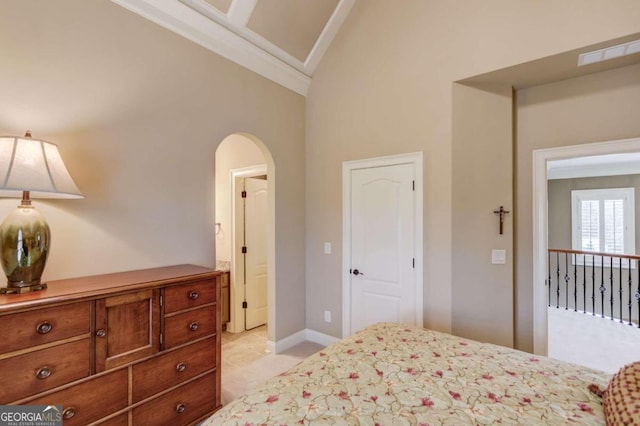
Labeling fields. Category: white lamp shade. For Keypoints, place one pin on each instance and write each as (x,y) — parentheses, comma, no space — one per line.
(34,165)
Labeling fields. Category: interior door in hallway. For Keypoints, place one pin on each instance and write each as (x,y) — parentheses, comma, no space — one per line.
(255,258)
(382,245)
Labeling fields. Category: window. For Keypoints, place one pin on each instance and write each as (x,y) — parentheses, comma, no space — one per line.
(603,220)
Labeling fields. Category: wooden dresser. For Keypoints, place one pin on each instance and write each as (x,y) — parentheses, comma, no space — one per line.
(131,348)
(225,299)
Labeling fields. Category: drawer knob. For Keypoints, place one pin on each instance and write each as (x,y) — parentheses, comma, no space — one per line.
(193,295)
(193,326)
(68,413)
(43,373)
(44,327)
(180,408)
(101,333)
(181,367)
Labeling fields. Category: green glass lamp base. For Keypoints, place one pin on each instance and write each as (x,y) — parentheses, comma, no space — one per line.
(23,289)
(24,246)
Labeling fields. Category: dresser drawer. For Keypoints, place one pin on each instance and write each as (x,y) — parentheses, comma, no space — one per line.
(91,400)
(188,326)
(181,406)
(38,371)
(180,297)
(32,328)
(163,372)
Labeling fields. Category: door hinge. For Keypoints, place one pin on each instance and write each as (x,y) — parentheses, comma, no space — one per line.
(244,194)
(161,301)
(244,305)
(413,185)
(413,262)
(161,340)
(244,249)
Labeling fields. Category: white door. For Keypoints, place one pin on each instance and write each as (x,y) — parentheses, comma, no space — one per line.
(256,252)
(382,246)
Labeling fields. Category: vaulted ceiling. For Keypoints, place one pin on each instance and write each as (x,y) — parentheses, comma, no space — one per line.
(282,40)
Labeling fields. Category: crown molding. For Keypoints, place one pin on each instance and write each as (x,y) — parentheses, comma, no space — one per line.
(183,20)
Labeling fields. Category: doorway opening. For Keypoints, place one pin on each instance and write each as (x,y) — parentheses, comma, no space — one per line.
(545,337)
(245,231)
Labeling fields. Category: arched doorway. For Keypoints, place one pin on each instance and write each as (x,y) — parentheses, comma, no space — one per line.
(242,160)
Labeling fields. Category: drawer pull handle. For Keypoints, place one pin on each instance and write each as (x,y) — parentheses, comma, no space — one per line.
(44,327)
(181,367)
(180,408)
(193,295)
(68,413)
(101,333)
(193,326)
(43,373)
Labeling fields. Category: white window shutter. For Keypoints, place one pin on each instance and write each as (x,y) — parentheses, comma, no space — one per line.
(614,226)
(590,225)
(603,220)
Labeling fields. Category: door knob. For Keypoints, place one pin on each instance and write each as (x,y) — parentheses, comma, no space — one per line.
(356,272)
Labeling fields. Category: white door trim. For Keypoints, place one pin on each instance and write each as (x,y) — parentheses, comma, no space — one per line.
(540,221)
(414,158)
(236,323)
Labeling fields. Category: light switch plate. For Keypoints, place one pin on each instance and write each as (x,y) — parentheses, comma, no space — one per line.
(327,248)
(498,257)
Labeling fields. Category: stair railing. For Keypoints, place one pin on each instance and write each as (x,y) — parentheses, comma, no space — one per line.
(603,284)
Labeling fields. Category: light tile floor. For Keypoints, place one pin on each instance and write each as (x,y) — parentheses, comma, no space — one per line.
(591,341)
(246,363)
(241,349)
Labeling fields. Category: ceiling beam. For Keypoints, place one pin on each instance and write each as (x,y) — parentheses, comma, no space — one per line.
(328,34)
(240,12)
(211,12)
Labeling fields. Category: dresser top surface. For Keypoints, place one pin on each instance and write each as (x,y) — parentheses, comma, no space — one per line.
(106,284)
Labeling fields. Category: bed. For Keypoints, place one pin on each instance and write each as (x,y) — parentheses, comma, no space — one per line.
(389,374)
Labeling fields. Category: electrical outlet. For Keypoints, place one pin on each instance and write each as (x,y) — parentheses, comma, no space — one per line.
(327,316)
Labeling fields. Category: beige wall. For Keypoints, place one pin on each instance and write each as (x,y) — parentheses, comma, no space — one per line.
(482,139)
(138,113)
(235,152)
(595,108)
(385,87)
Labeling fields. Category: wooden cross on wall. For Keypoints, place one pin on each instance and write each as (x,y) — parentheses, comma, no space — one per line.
(501,212)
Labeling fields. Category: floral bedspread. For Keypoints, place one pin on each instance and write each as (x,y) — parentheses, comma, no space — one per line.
(390,374)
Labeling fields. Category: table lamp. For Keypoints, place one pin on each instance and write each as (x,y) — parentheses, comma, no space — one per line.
(30,167)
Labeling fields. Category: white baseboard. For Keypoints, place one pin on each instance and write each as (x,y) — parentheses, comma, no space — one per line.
(271,347)
(320,338)
(290,341)
(299,337)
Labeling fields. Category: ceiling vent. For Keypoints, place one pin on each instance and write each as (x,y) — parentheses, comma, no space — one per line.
(616,51)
